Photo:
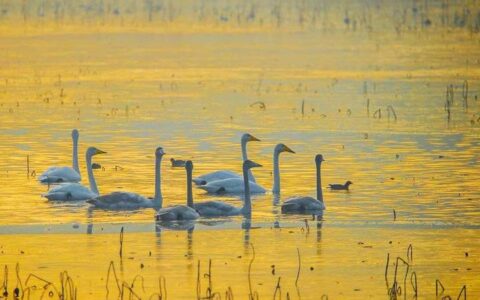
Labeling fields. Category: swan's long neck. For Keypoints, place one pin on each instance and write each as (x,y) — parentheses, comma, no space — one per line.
(247,203)
(158,199)
(189,188)
(75,155)
(276,173)
(319,183)
(91,178)
(245,157)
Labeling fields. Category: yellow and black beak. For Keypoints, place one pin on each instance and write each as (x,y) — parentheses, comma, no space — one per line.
(252,138)
(286,149)
(100,152)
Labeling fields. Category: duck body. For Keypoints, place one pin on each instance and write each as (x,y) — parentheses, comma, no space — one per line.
(339,187)
(176,213)
(216,209)
(177,163)
(304,205)
(69,192)
(231,186)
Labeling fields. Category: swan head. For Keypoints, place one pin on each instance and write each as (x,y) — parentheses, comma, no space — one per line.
(189,165)
(248,164)
(94,151)
(159,152)
(283,148)
(247,137)
(348,183)
(75,134)
(319,159)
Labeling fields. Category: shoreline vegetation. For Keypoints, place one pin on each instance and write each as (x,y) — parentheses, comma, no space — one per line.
(365,16)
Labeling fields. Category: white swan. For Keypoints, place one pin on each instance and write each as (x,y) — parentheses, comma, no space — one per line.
(180,212)
(307,204)
(220,175)
(221,209)
(64,174)
(236,186)
(276,168)
(75,191)
(129,201)
(231,186)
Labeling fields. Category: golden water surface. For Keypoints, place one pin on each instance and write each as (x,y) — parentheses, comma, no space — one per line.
(192,89)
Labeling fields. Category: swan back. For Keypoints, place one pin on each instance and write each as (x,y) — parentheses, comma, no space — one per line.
(231,186)
(216,209)
(176,213)
(121,201)
(304,205)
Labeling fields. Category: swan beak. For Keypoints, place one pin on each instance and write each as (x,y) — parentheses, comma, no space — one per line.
(286,149)
(252,138)
(100,152)
(255,165)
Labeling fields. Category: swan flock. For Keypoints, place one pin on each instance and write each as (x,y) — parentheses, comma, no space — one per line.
(64,185)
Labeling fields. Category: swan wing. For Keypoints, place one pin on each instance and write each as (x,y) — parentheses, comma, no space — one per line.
(121,200)
(231,186)
(216,209)
(59,174)
(302,205)
(176,213)
(69,192)
(213,176)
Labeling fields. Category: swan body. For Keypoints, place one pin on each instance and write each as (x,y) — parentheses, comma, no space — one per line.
(220,175)
(176,213)
(302,205)
(69,192)
(307,205)
(231,186)
(214,176)
(180,212)
(222,209)
(64,174)
(59,175)
(216,209)
(75,191)
(131,201)
(121,200)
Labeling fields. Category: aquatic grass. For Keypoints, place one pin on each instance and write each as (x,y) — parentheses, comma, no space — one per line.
(34,283)
(465,95)
(120,252)
(391,110)
(396,289)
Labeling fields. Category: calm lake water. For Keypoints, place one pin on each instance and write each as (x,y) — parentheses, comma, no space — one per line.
(191,93)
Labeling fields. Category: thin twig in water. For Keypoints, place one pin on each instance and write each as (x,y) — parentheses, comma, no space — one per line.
(298,270)
(437,285)
(464,292)
(260,104)
(121,243)
(278,290)
(250,273)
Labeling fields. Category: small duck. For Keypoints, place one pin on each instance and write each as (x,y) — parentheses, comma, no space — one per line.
(177,163)
(340,186)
